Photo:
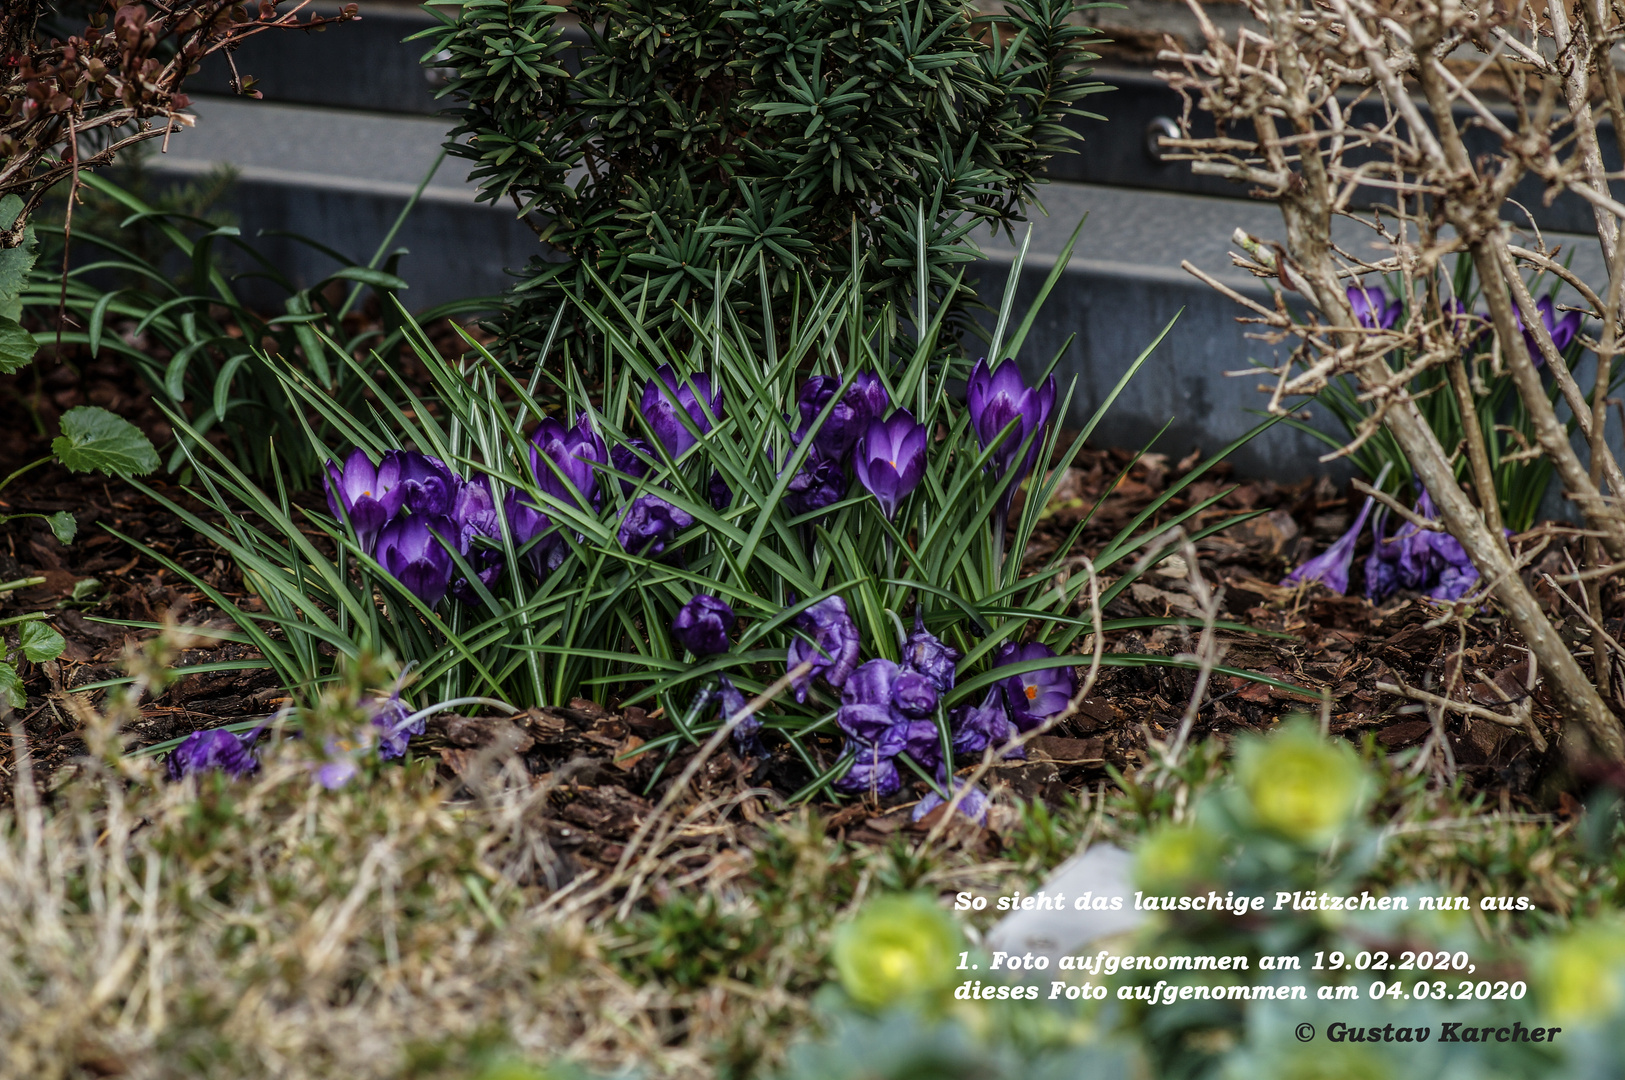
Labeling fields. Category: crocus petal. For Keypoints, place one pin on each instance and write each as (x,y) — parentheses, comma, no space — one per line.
(973,804)
(203,751)
(703,625)
(1331,567)
(927,654)
(872,772)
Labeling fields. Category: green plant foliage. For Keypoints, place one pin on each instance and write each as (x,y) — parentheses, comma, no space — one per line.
(687,137)
(95,439)
(897,948)
(598,622)
(92,439)
(39,643)
(16,344)
(193,339)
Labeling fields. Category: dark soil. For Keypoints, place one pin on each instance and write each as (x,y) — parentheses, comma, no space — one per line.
(1341,645)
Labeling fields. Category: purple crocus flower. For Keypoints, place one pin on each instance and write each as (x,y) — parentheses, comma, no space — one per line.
(747,736)
(395,724)
(427,486)
(474,513)
(865,400)
(1457,576)
(833,648)
(1033,696)
(1331,567)
(369,495)
(572,452)
(411,550)
(871,771)
(694,397)
(821,482)
(996,398)
(626,459)
(973,804)
(923,743)
(927,654)
(868,715)
(1431,562)
(1381,580)
(1373,308)
(890,459)
(703,625)
(216,748)
(913,694)
(868,393)
(1562,330)
(534,537)
(1415,548)
(340,765)
(649,524)
(976,727)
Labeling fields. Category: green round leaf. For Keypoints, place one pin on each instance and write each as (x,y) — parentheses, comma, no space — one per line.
(17,346)
(93,438)
(11,687)
(64,526)
(39,642)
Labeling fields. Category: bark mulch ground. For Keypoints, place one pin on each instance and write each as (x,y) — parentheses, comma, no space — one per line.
(1339,645)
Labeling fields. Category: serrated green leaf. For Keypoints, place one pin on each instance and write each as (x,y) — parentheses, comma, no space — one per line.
(93,438)
(17,346)
(39,643)
(64,526)
(15,263)
(11,688)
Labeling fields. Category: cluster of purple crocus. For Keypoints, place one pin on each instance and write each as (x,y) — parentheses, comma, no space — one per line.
(885,453)
(410,511)
(1432,563)
(234,754)
(888,708)
(1372,308)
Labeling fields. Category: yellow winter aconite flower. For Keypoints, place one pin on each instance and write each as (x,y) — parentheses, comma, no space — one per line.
(1299,784)
(1175,856)
(897,947)
(1580,977)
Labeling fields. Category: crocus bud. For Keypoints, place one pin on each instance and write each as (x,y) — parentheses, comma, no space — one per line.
(833,649)
(703,625)
(665,405)
(873,772)
(534,537)
(1372,307)
(479,531)
(411,550)
(203,751)
(650,524)
(927,654)
(427,486)
(562,461)
(995,399)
